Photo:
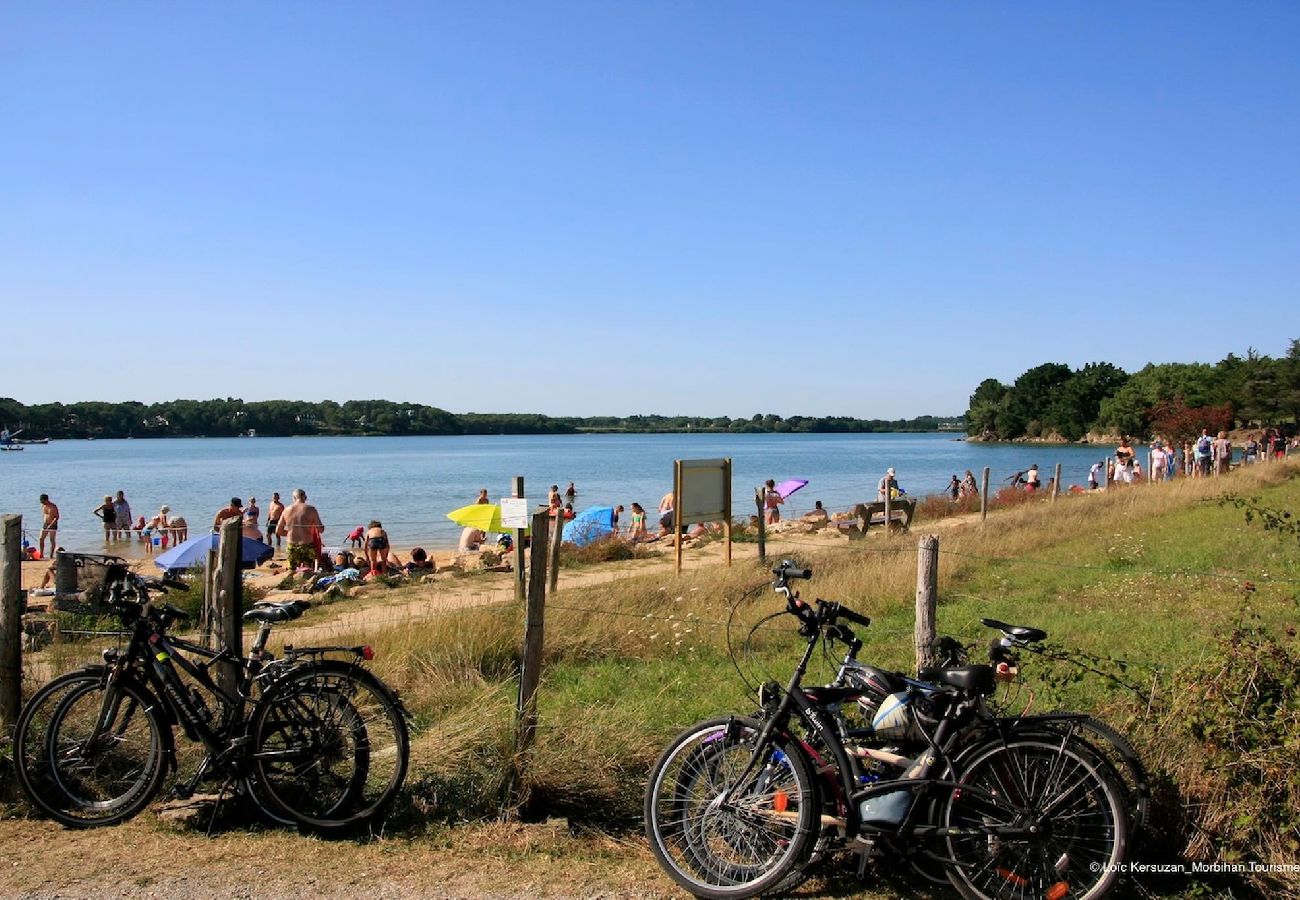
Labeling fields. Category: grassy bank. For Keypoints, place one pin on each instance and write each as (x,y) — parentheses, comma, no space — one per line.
(1168,588)
(1177,594)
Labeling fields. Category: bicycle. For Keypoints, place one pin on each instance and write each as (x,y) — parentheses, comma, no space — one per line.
(738,806)
(1106,741)
(316,742)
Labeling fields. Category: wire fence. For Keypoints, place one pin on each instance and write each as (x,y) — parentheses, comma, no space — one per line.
(782,543)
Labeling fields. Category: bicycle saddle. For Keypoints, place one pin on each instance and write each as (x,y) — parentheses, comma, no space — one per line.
(277,612)
(1019,632)
(972,679)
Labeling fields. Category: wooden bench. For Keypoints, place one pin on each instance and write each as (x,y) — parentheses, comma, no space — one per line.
(867,514)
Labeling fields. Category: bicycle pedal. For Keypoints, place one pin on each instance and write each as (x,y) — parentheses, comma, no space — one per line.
(181,792)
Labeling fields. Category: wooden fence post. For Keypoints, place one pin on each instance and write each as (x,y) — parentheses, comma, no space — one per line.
(1056,482)
(927,597)
(984,494)
(762,525)
(553,552)
(11,622)
(517,492)
(229,622)
(530,667)
(208,611)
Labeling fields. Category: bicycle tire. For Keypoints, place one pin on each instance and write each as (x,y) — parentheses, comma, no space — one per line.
(1122,758)
(328,748)
(1063,790)
(752,844)
(77,778)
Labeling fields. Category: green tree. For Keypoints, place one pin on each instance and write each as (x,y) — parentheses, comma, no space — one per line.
(1074,405)
(985,407)
(1030,398)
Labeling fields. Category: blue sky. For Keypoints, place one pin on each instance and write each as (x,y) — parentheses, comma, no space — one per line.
(611,208)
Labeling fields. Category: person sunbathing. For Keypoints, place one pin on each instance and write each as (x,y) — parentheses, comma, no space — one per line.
(470,540)
(421,562)
(816,514)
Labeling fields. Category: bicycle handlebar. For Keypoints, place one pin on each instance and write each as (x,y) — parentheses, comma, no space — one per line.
(787,570)
(854,617)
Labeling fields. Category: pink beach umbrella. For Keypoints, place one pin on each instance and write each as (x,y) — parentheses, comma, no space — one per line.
(789,486)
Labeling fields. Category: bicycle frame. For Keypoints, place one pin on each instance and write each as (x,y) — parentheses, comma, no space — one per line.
(917,781)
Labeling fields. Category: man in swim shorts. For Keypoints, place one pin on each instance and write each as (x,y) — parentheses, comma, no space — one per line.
(300,526)
(273,514)
(49,525)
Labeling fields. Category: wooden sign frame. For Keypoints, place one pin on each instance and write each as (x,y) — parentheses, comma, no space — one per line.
(701,493)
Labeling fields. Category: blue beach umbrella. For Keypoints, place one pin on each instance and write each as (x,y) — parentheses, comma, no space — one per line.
(194,552)
(590,525)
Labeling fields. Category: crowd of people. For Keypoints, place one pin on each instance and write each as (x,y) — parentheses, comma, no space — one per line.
(298,528)
(115,517)
(1207,456)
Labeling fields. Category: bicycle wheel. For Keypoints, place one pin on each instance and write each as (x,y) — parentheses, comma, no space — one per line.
(329,748)
(747,844)
(87,755)
(1063,794)
(1125,766)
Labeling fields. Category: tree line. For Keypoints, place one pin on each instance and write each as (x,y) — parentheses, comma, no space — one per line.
(281,418)
(1175,400)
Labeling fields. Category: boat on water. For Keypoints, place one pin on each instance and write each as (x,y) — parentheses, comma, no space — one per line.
(10,447)
(11,440)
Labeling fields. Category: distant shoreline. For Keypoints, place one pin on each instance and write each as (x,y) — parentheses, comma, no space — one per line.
(956,435)
(363,418)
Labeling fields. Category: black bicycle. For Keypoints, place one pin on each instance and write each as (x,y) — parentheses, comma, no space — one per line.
(313,738)
(739,806)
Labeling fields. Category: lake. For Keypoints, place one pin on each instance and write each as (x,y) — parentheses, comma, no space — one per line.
(410,483)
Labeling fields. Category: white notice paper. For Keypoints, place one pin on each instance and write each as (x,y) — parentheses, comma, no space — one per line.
(514,512)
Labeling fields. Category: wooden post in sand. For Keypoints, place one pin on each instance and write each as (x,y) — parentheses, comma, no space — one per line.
(927,597)
(1056,482)
(530,667)
(984,494)
(228,621)
(517,492)
(553,552)
(762,525)
(11,621)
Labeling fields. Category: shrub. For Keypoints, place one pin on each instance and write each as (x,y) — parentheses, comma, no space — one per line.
(607,549)
(1236,718)
(941,506)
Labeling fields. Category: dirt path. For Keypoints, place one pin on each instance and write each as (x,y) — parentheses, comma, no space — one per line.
(147,858)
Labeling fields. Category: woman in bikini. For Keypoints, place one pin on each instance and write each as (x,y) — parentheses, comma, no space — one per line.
(376,548)
(106,513)
(637,532)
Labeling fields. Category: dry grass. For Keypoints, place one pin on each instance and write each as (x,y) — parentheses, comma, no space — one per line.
(632,660)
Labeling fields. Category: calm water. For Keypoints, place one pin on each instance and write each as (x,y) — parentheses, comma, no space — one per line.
(411,482)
